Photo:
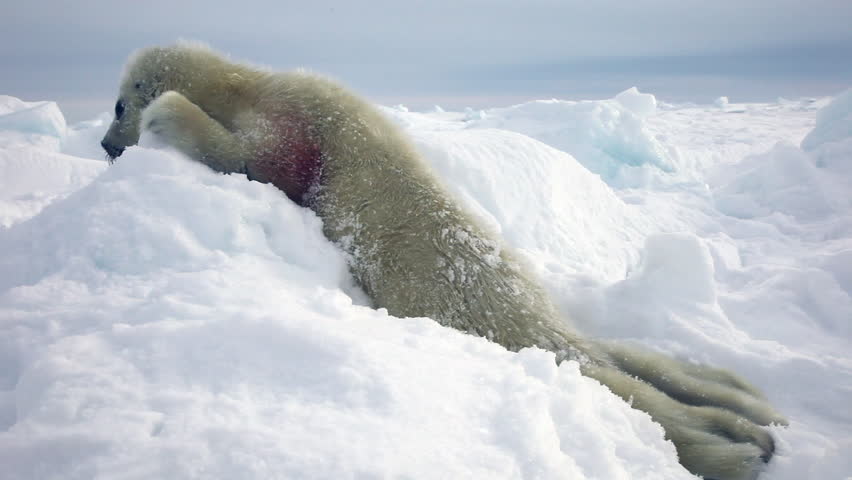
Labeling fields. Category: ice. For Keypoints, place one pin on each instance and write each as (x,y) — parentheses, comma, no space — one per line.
(808,183)
(31,117)
(158,320)
(833,123)
(608,137)
(642,104)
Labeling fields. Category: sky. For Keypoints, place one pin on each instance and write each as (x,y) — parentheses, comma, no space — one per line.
(453,53)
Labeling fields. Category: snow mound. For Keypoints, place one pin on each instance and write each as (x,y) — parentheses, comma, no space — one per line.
(549,197)
(783,180)
(677,265)
(165,321)
(608,137)
(35,178)
(670,290)
(132,219)
(833,123)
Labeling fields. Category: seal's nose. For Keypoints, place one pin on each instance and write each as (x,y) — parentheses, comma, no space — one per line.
(111,150)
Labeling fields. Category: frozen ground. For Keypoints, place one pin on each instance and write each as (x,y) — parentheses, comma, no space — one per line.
(158,320)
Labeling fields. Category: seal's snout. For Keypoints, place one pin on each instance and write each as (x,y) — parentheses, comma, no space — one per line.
(111,150)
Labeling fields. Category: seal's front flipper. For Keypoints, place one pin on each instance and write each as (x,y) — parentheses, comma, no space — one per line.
(186,127)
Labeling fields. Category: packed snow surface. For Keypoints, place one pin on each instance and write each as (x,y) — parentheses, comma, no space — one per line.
(160,320)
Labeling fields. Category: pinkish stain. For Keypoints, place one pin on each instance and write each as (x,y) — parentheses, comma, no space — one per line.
(292,161)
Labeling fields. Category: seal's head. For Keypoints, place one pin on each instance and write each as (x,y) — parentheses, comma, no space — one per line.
(145,77)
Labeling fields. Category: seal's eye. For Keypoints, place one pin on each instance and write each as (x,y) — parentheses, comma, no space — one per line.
(119,109)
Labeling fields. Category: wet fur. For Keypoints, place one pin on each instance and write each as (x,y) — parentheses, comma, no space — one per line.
(412,248)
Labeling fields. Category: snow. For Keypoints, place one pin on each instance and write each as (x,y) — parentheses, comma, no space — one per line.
(784,180)
(34,172)
(158,320)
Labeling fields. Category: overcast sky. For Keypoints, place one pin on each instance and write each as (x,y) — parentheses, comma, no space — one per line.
(449,52)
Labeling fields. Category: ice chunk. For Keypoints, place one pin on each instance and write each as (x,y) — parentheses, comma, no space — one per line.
(9,104)
(833,122)
(471,114)
(642,104)
(609,137)
(32,171)
(43,118)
